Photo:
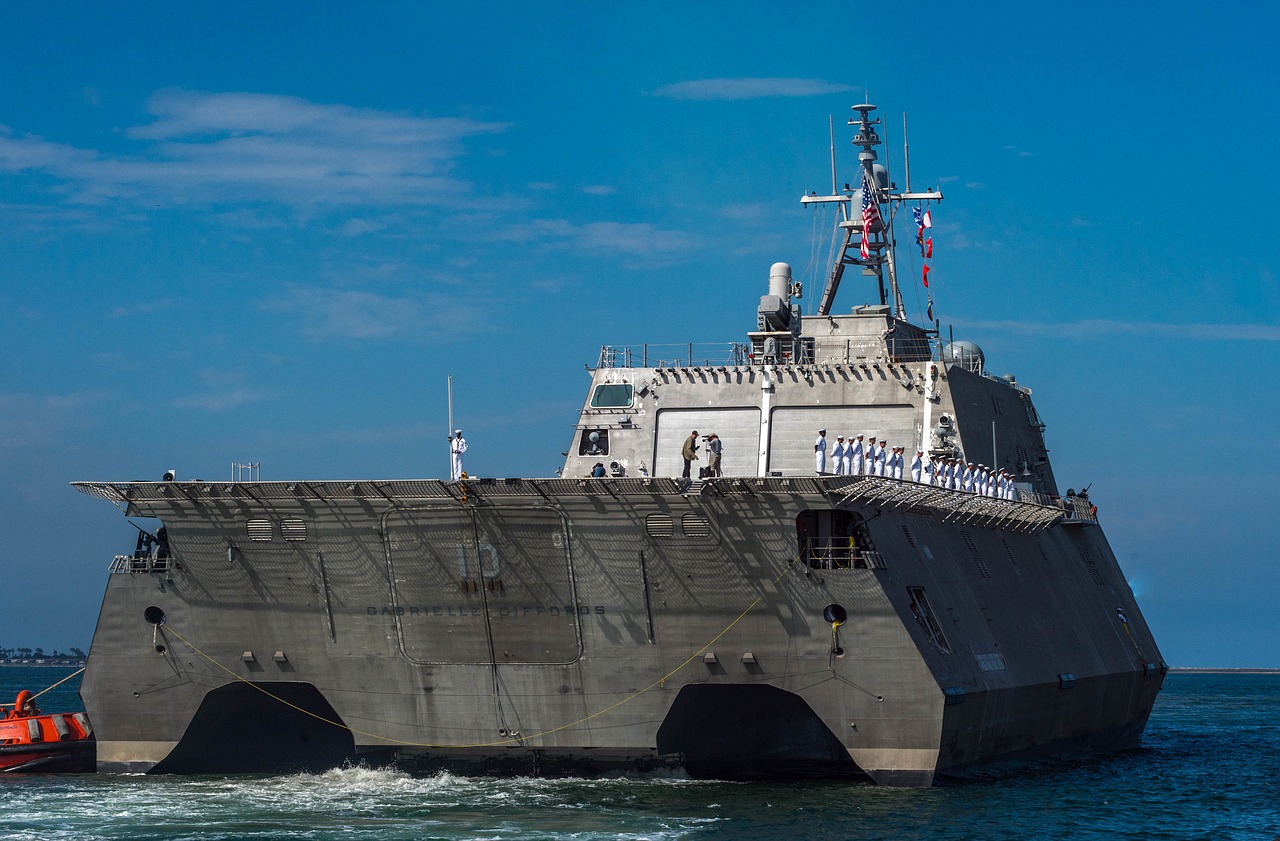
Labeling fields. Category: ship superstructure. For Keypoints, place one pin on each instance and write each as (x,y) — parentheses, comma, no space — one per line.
(768,621)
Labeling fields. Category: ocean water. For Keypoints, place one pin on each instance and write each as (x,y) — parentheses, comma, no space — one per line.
(1209,769)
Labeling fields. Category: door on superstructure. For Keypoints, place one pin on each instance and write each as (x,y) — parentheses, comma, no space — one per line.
(738,430)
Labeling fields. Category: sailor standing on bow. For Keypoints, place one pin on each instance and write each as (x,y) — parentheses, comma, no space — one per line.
(457,447)
(854,454)
(820,452)
(838,456)
(917,466)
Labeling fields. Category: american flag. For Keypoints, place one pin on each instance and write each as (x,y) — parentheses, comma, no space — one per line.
(870,214)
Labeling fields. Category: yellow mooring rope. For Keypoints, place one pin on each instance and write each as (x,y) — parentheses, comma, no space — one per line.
(500,742)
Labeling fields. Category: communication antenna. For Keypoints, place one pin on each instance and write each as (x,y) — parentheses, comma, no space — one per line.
(449,431)
(906,154)
(831,129)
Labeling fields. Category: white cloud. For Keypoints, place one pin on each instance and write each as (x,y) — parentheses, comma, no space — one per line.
(328,313)
(223,401)
(29,421)
(639,238)
(599,190)
(205,147)
(1111,328)
(748,88)
(357,227)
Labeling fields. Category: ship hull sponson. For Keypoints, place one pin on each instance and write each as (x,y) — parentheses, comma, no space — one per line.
(549,626)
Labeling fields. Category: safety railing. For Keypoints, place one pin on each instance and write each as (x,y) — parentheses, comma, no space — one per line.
(674,355)
(133,564)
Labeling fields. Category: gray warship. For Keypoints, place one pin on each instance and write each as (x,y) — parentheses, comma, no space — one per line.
(765,621)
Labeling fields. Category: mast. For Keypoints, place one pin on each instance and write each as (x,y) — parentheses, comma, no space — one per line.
(879,238)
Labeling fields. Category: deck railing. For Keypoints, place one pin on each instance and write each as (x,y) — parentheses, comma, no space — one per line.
(706,354)
(132,563)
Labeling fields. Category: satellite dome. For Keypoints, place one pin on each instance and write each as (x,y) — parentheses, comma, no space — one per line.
(966,354)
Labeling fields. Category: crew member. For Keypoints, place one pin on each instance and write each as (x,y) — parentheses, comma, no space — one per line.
(853,456)
(917,466)
(838,456)
(457,447)
(820,452)
(689,452)
(714,448)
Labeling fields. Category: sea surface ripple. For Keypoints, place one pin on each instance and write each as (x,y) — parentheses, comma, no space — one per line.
(1207,770)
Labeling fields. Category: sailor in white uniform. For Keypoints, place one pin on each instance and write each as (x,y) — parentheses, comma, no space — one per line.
(897,462)
(869,468)
(820,452)
(917,466)
(838,456)
(854,452)
(966,478)
(882,460)
(457,447)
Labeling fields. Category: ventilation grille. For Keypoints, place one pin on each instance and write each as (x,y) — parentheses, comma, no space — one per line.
(259,529)
(695,525)
(1013,559)
(1091,565)
(968,541)
(659,525)
(293,529)
(907,533)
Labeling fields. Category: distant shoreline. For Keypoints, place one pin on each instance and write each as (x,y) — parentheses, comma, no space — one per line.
(1216,670)
(45,663)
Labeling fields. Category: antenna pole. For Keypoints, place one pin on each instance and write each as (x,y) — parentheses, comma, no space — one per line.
(831,129)
(449,431)
(906,154)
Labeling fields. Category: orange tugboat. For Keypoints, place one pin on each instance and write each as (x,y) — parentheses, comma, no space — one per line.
(32,741)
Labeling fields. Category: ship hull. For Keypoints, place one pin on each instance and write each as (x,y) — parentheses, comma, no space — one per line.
(737,629)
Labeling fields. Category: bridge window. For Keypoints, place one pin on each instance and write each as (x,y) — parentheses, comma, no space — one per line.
(611,396)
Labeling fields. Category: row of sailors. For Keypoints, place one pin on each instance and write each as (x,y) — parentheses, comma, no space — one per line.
(876,458)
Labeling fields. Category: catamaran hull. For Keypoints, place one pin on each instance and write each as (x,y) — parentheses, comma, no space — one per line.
(565,627)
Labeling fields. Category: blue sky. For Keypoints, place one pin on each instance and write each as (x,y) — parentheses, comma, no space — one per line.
(268,233)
